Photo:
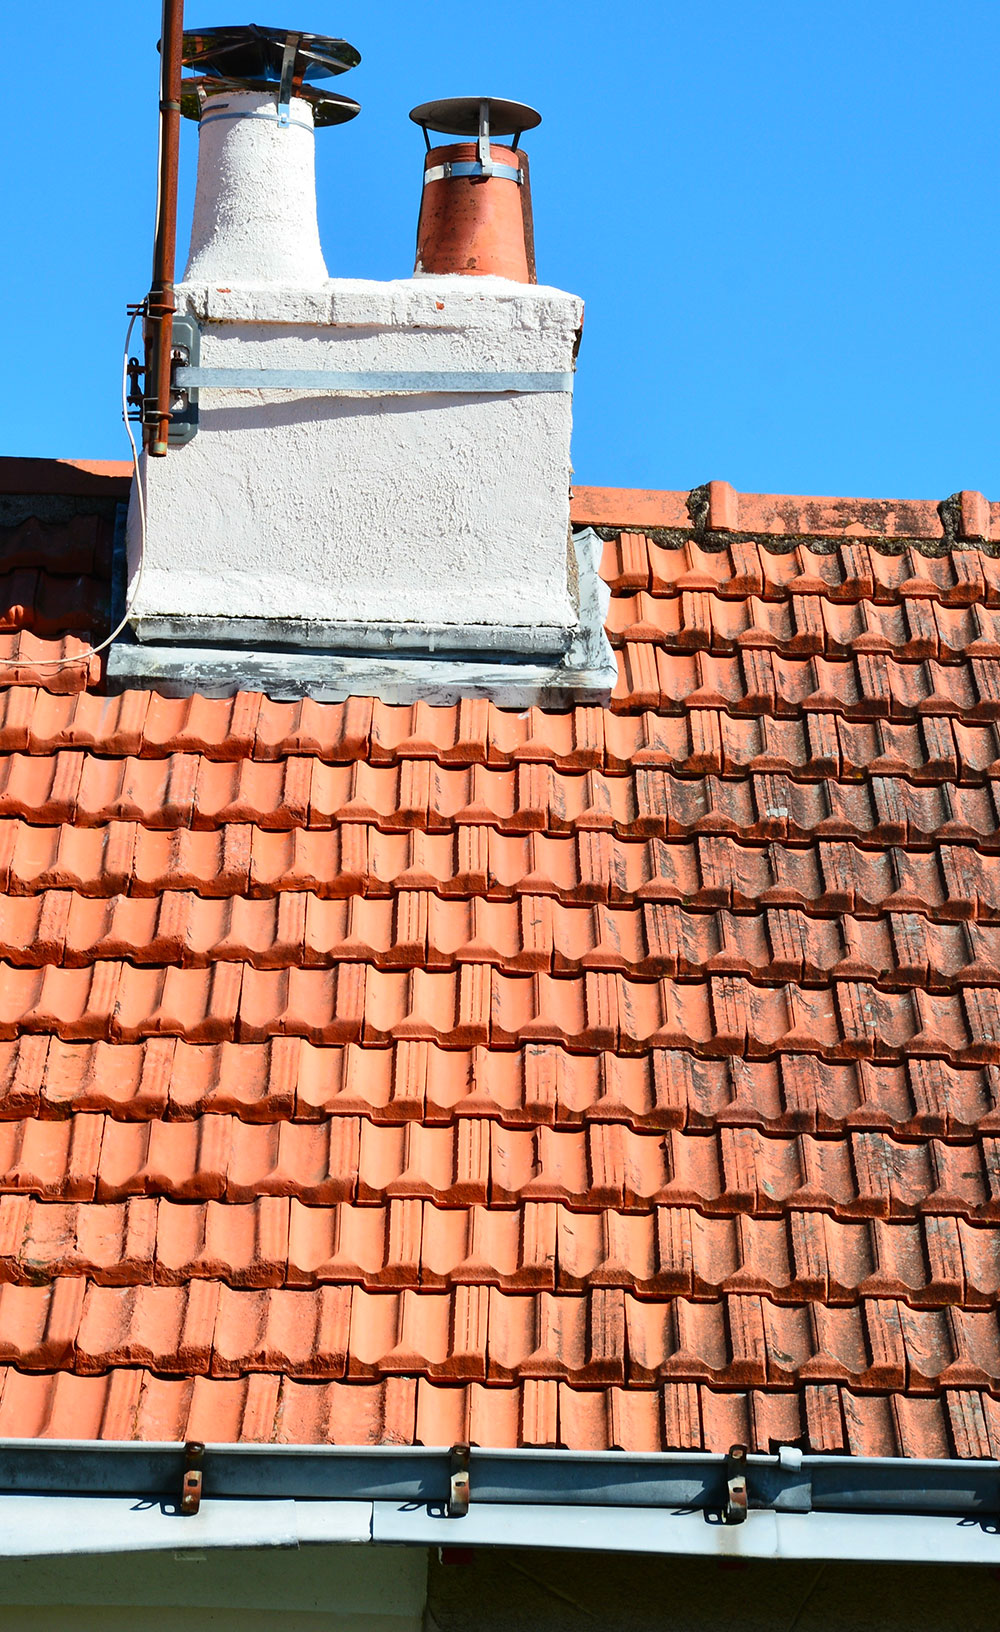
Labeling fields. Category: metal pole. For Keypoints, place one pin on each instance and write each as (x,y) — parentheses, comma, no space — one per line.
(161,304)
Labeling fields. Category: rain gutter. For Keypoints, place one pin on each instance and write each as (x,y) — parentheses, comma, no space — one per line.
(107,1496)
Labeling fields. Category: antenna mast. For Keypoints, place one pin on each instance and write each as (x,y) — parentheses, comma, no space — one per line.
(160,306)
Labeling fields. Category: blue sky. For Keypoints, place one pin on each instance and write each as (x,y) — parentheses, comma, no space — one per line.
(784,220)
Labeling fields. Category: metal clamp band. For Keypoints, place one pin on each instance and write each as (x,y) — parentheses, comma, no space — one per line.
(357,384)
(273,118)
(471,167)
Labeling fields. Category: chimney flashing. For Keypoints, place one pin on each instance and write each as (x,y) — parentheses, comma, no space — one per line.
(584,674)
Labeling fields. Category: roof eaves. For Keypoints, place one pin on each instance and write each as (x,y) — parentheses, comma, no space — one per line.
(798,1506)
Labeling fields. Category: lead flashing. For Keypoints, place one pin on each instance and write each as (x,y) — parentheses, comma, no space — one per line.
(510,675)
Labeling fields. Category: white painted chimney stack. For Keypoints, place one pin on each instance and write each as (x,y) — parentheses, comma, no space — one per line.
(393,520)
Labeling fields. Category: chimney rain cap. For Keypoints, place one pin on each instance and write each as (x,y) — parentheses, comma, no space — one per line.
(328,108)
(250,58)
(460,116)
(251,52)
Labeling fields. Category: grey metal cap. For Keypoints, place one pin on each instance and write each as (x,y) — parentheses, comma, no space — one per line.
(459,116)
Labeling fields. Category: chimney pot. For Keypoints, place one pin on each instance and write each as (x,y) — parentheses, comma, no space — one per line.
(258,107)
(475,225)
(475,212)
(255,200)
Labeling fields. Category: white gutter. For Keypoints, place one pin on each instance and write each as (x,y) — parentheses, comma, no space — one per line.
(868,1537)
(51,1526)
(59,1497)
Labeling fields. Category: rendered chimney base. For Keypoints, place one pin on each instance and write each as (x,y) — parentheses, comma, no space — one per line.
(407,527)
(585,673)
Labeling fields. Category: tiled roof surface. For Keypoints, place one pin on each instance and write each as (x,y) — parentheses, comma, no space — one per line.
(609,1078)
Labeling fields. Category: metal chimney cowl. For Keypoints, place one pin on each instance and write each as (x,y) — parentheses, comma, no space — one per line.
(368,522)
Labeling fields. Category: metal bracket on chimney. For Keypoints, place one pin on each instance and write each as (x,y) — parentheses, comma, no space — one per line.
(287,78)
(185,351)
(485,151)
(354,384)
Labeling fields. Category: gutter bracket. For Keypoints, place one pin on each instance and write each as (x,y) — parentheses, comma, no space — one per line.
(460,1489)
(191,1484)
(736,1485)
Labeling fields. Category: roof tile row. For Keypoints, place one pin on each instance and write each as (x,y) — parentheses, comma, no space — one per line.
(949,883)
(849,572)
(910,630)
(65,664)
(481,1333)
(134,1403)
(251,726)
(871,685)
(186,791)
(930,748)
(291,1079)
(475,1162)
(930,1262)
(771,944)
(474,1005)
(814,743)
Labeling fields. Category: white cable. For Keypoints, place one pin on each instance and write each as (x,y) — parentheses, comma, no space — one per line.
(91,651)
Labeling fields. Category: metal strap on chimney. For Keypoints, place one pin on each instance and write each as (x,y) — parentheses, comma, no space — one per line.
(274,118)
(353,384)
(469,167)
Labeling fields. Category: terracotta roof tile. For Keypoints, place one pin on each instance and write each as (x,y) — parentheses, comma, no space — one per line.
(620,1078)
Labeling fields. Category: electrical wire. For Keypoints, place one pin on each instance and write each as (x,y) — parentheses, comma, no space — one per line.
(91,651)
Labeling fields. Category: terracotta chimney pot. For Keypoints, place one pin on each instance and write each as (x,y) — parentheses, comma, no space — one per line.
(478,225)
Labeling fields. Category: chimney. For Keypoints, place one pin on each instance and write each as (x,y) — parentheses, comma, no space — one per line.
(367,490)
(255,200)
(465,226)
